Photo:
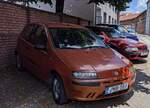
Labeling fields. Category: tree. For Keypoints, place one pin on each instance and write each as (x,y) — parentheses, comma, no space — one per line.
(59,3)
(26,2)
(119,4)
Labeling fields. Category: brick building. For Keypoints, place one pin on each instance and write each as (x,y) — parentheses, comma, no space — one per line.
(135,21)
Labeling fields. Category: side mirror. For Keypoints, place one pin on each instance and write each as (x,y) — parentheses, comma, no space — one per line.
(106,38)
(102,37)
(40,47)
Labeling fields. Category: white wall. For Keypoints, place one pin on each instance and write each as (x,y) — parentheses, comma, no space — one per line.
(79,8)
(147,29)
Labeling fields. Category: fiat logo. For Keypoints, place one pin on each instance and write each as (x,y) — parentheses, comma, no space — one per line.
(116,73)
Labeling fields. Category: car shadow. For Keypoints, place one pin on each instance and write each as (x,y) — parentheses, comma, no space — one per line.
(142,80)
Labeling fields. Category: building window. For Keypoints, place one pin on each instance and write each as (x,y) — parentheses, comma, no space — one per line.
(112,21)
(109,19)
(98,16)
(105,17)
(116,10)
(115,21)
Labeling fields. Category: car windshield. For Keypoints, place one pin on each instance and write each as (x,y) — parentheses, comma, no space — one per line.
(122,29)
(74,38)
(113,33)
(130,30)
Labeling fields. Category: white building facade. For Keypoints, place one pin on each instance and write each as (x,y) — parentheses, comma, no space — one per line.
(147,28)
(106,14)
(102,13)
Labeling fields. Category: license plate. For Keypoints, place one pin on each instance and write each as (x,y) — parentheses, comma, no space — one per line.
(144,53)
(116,88)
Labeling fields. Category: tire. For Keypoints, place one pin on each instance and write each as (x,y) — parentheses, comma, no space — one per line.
(58,91)
(19,62)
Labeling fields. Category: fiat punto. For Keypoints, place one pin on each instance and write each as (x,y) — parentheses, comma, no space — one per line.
(76,65)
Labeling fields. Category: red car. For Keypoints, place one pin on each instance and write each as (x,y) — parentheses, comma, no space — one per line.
(132,49)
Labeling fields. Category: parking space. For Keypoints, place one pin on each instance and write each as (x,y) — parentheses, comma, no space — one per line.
(22,90)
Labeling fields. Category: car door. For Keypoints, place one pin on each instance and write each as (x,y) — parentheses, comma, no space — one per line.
(27,47)
(40,57)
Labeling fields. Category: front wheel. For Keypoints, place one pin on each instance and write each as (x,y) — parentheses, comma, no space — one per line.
(58,91)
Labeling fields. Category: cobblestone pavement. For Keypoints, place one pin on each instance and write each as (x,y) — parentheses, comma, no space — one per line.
(22,90)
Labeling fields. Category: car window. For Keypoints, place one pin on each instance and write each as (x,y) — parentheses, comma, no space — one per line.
(39,37)
(113,33)
(74,38)
(28,31)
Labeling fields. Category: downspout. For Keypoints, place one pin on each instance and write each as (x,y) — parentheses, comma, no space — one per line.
(94,20)
(118,17)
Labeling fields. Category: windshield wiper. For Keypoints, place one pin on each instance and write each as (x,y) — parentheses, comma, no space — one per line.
(123,36)
(70,48)
(94,47)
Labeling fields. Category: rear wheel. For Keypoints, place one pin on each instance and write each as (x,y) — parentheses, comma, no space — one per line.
(58,91)
(19,62)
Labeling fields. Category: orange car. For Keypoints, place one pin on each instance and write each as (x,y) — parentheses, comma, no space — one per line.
(75,64)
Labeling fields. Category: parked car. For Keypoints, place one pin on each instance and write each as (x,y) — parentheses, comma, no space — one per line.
(76,64)
(132,49)
(122,30)
(131,31)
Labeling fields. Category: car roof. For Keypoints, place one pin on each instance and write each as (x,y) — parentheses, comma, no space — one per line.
(108,25)
(101,28)
(58,25)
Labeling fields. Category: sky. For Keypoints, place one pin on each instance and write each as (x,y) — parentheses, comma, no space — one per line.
(137,6)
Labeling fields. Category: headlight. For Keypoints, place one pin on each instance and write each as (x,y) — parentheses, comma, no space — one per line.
(131,49)
(132,69)
(84,75)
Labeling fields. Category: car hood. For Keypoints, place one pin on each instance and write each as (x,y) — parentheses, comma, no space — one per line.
(127,42)
(130,36)
(100,59)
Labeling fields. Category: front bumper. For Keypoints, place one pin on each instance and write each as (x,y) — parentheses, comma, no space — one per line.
(137,55)
(92,90)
